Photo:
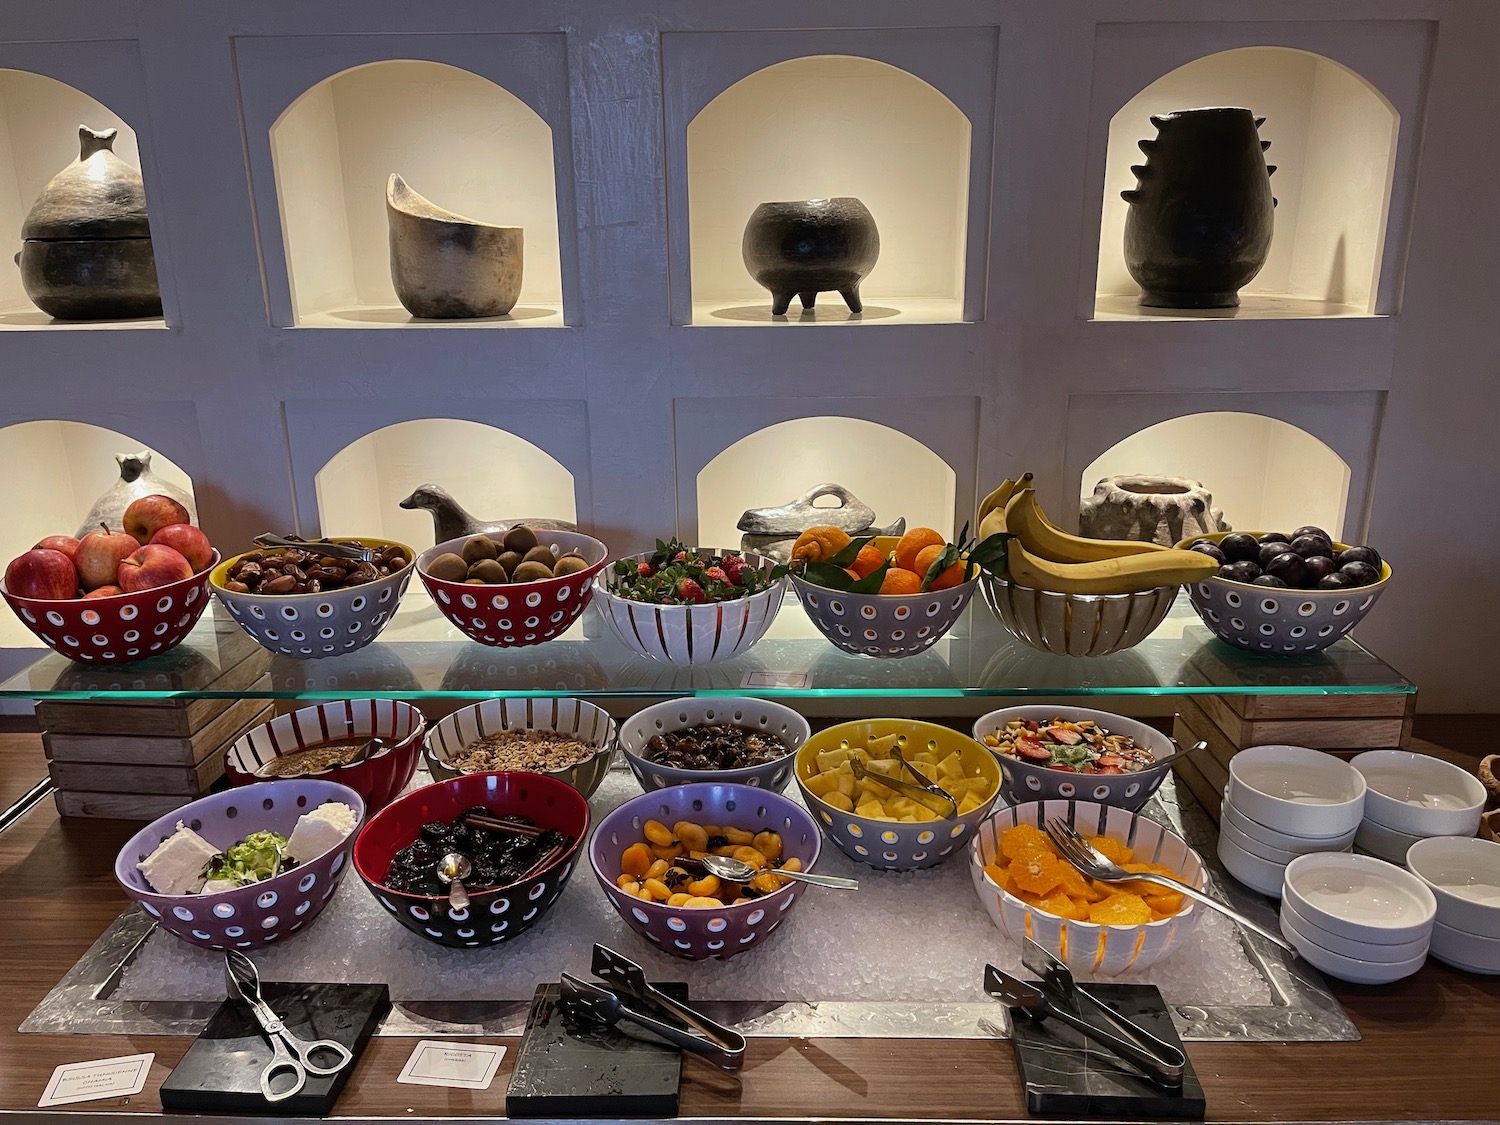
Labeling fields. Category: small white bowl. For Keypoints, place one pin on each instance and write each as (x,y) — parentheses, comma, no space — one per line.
(1385,843)
(1250,844)
(1360,897)
(1336,943)
(1296,790)
(1464,875)
(1419,794)
(1353,969)
(1281,841)
(1474,953)
(1258,874)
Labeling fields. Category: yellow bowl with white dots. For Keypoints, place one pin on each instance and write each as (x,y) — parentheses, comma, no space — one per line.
(889,843)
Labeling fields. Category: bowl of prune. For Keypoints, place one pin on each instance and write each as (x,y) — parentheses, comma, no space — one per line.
(745,741)
(518,832)
(1285,594)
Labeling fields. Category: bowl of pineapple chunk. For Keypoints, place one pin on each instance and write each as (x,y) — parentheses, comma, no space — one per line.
(874,823)
(1030,891)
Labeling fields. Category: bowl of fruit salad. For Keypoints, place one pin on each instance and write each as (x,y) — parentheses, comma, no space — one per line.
(690,605)
(839,771)
(1073,752)
(1029,890)
(1285,594)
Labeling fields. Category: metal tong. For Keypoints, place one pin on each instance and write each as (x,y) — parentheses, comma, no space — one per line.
(332,550)
(289,1055)
(924,791)
(722,1046)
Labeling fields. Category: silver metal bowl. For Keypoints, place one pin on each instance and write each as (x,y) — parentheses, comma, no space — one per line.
(1077,624)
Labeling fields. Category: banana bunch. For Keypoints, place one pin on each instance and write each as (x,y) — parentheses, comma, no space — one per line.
(1042,556)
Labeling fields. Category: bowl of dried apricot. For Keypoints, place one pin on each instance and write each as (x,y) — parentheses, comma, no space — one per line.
(1030,891)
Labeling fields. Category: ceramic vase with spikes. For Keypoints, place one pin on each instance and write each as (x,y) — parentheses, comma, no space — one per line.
(1200,218)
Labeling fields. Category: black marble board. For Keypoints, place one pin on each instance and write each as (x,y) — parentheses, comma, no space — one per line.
(568,1068)
(1066,1074)
(221,1070)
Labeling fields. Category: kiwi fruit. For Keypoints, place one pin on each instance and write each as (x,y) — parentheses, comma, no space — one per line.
(541,555)
(489,572)
(520,539)
(475,582)
(479,547)
(449,567)
(532,572)
(510,560)
(569,564)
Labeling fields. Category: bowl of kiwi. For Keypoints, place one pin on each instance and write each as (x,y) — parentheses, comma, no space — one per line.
(514,588)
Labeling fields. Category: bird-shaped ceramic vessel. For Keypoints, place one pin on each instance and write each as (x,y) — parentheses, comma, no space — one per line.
(450,520)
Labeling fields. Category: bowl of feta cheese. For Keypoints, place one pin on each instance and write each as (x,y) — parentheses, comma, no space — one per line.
(246,867)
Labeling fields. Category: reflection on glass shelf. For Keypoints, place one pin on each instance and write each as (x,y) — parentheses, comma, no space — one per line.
(421,656)
(1252,306)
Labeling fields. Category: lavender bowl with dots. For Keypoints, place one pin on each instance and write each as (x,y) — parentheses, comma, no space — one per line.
(1281,622)
(700,933)
(328,623)
(494,914)
(883,625)
(254,916)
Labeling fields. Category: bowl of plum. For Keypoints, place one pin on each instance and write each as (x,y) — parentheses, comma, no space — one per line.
(1285,594)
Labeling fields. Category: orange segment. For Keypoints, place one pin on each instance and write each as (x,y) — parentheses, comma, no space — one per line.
(1064,907)
(1113,850)
(1037,872)
(1023,838)
(912,543)
(1120,910)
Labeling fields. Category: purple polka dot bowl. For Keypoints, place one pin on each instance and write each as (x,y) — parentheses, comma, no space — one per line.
(494,914)
(516,614)
(884,625)
(119,629)
(770,719)
(311,626)
(700,933)
(254,916)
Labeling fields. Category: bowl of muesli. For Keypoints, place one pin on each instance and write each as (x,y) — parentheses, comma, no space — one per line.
(566,738)
(1073,753)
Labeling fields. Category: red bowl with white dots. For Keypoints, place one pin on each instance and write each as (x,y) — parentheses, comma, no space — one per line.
(120,629)
(516,614)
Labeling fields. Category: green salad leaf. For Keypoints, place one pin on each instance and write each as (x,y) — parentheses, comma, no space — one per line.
(253,859)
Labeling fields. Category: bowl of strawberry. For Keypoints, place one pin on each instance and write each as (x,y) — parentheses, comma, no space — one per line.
(1073,753)
(690,605)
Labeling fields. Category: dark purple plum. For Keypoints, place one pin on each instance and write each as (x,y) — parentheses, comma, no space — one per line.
(1269,580)
(1240,546)
(1205,547)
(1359,573)
(1309,529)
(1289,567)
(1359,554)
(1242,571)
(1317,567)
(1338,580)
(1275,537)
(1269,551)
(1309,545)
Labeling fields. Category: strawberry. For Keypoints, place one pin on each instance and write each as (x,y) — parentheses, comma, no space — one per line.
(736,571)
(1032,750)
(731,560)
(645,569)
(690,591)
(679,556)
(1109,769)
(1105,761)
(716,574)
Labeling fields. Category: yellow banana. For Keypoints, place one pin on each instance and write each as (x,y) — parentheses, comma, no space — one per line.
(1124,574)
(992,508)
(1025,519)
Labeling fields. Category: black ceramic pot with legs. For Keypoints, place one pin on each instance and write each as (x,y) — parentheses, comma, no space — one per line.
(809,247)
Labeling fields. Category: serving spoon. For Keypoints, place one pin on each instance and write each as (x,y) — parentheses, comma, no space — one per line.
(452,870)
(738,871)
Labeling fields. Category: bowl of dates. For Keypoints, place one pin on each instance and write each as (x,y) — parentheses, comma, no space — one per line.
(1285,594)
(302,602)
(519,831)
(1072,753)
(746,741)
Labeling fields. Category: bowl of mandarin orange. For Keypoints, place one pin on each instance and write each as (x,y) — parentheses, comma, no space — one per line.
(882,595)
(1030,890)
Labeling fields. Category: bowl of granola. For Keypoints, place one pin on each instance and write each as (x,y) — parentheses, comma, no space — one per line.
(566,738)
(1070,753)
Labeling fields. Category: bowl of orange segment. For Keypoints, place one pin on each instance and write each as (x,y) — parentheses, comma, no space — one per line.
(884,597)
(1030,891)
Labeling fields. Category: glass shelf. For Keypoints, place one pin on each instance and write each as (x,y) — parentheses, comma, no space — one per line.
(421,656)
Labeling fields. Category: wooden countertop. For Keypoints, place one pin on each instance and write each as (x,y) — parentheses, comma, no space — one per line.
(1427,1054)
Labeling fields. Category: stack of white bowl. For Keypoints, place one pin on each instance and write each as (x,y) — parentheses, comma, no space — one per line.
(1283,802)
(1414,797)
(1356,917)
(1464,875)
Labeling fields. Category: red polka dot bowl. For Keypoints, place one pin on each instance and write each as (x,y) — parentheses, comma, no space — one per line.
(254,916)
(516,614)
(120,629)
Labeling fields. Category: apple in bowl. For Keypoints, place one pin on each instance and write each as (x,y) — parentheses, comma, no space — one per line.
(42,574)
(147,515)
(152,566)
(100,554)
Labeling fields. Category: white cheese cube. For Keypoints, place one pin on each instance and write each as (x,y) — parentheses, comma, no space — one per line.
(320,831)
(176,866)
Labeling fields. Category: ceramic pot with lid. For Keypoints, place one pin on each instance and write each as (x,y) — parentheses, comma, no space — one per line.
(86,253)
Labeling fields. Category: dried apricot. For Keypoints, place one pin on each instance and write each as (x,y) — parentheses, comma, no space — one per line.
(636,860)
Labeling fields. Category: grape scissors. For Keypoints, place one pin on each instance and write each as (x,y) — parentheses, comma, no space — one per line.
(289,1055)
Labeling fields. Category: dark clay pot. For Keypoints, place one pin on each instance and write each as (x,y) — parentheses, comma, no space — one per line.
(809,247)
(1200,218)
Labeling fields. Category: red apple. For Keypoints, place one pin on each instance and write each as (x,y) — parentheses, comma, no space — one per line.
(152,566)
(103,592)
(149,514)
(42,573)
(100,554)
(187,541)
(64,543)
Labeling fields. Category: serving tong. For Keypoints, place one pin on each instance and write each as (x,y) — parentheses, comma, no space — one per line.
(289,1054)
(626,981)
(924,791)
(330,550)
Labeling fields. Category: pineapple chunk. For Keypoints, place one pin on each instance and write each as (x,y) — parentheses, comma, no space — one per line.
(821,784)
(837,800)
(951,766)
(832,759)
(845,783)
(872,810)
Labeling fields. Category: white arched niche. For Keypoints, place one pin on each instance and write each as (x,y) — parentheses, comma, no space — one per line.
(459,139)
(824,126)
(39,119)
(60,468)
(1333,141)
(1264,474)
(893,473)
(497,476)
